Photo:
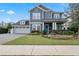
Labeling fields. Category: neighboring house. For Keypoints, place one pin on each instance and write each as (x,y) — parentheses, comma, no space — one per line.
(21,26)
(3,24)
(67,24)
(43,18)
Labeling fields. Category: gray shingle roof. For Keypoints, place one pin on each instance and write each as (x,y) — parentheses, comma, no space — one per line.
(26,22)
(44,9)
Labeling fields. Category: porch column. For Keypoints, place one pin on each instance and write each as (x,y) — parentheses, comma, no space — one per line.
(52,25)
(42,26)
(55,26)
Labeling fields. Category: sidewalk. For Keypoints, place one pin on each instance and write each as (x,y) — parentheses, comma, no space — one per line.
(39,50)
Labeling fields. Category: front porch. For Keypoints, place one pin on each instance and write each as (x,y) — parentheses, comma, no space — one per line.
(49,26)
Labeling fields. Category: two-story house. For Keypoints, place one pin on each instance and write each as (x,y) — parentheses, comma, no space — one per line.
(43,18)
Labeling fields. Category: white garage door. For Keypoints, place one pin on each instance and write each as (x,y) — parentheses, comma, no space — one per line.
(21,30)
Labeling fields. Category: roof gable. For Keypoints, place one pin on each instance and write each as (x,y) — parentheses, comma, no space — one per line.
(26,22)
(41,7)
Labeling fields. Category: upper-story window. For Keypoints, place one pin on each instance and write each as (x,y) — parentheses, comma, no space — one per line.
(22,22)
(56,16)
(47,15)
(35,15)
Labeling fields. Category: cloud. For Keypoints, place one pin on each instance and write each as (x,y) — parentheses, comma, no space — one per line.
(10,12)
(2,10)
(7,19)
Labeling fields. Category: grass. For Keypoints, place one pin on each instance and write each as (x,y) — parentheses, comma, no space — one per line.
(39,40)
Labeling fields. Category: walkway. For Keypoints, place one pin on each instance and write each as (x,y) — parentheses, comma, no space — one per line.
(39,50)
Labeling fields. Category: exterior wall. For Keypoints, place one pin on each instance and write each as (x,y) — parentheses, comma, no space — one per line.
(47,15)
(36,10)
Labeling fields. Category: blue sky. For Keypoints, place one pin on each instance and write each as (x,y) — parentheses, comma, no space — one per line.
(13,12)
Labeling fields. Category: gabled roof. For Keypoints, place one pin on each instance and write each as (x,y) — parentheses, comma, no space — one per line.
(42,8)
(26,22)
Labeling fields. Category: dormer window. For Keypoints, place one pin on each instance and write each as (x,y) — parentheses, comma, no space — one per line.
(35,15)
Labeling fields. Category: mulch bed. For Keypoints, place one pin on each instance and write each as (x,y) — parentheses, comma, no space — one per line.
(62,37)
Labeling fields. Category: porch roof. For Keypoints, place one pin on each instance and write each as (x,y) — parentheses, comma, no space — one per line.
(54,20)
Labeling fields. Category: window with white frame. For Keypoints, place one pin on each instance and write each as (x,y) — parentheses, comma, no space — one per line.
(22,22)
(35,15)
(56,16)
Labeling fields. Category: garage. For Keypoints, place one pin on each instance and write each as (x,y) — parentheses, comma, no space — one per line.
(21,30)
(21,27)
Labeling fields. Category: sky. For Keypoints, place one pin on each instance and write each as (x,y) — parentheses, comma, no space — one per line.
(13,12)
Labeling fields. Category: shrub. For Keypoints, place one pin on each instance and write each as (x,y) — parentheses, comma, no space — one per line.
(64,32)
(36,33)
(3,30)
(45,32)
(68,32)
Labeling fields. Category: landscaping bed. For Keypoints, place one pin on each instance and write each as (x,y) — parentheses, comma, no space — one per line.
(66,37)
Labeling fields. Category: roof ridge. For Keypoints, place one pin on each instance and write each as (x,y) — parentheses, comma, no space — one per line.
(43,8)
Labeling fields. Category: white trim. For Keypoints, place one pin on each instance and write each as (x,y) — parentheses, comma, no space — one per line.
(42,26)
(42,15)
(55,26)
(51,15)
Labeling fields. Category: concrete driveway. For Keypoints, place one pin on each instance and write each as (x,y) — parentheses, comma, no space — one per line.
(7,37)
(39,50)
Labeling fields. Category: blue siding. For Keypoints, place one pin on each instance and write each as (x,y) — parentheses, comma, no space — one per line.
(47,15)
(36,10)
(44,15)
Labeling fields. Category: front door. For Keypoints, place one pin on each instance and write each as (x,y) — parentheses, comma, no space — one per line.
(47,27)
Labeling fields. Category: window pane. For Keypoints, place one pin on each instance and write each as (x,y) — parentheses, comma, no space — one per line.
(56,16)
(35,15)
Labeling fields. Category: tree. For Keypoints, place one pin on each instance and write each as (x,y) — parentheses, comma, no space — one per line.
(74,15)
(9,26)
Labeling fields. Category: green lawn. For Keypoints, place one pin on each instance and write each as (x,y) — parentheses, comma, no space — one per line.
(39,40)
